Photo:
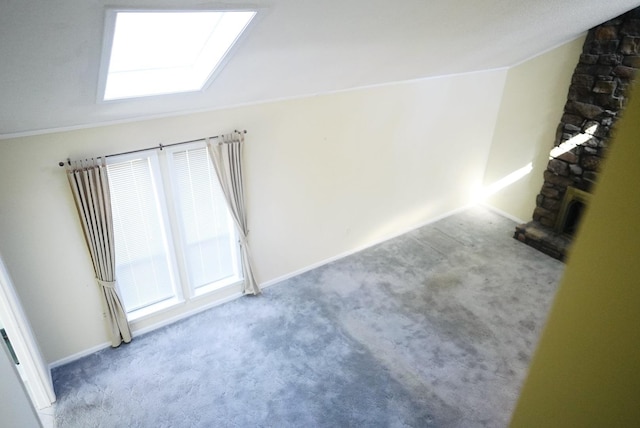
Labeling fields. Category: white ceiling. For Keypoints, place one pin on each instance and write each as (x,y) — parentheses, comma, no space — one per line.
(50,51)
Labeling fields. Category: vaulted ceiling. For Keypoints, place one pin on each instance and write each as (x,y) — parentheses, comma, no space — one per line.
(50,51)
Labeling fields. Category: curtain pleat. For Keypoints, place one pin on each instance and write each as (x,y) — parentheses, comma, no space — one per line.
(227,162)
(90,187)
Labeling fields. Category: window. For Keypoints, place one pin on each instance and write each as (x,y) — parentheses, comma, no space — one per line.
(143,263)
(157,264)
(165,52)
(208,235)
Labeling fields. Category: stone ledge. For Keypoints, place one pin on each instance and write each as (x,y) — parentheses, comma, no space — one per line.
(543,239)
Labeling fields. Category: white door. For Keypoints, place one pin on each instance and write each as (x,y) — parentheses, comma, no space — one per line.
(36,375)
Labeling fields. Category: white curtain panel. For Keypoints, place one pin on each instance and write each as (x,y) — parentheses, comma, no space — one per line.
(90,187)
(226,155)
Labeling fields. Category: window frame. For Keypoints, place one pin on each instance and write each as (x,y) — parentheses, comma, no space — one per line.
(179,234)
(158,185)
(164,179)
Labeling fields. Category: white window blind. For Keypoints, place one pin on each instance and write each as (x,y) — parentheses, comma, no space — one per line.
(143,267)
(161,262)
(208,238)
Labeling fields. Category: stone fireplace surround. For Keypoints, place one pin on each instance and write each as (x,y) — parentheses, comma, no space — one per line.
(597,96)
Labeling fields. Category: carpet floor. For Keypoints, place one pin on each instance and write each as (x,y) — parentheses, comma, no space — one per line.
(434,328)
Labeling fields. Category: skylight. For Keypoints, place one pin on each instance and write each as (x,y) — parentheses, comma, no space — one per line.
(154,53)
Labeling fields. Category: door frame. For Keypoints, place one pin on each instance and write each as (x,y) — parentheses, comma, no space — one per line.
(37,375)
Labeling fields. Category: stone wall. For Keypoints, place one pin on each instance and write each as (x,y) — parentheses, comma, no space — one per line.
(596,99)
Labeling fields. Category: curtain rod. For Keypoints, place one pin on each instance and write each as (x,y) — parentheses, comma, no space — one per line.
(159,146)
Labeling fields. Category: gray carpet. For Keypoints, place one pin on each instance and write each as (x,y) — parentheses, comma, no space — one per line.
(431,329)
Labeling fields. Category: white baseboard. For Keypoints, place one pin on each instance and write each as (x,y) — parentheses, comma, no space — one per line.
(265,284)
(361,248)
(502,213)
(183,315)
(137,332)
(77,356)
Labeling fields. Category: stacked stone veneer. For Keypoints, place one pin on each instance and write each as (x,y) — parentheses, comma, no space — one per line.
(596,99)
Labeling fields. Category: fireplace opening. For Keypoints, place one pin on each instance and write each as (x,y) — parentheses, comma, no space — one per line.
(573,206)
(574,213)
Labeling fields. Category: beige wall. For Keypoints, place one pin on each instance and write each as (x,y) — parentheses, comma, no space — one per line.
(325,175)
(534,96)
(586,370)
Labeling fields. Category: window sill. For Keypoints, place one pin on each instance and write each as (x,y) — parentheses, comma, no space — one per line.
(154,309)
(165,305)
(218,285)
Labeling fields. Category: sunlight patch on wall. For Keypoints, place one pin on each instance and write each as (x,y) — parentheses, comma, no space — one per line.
(504,182)
(573,142)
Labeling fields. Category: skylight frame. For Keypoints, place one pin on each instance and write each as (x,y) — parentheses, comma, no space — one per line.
(108,39)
